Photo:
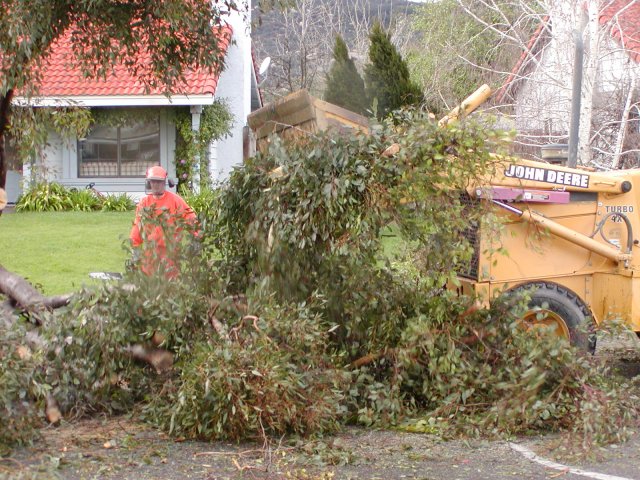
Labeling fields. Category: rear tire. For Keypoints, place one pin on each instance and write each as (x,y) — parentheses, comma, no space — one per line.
(558,307)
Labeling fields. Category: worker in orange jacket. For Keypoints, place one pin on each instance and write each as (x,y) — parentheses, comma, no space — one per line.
(156,216)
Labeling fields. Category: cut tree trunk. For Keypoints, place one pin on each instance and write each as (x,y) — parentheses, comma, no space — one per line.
(25,297)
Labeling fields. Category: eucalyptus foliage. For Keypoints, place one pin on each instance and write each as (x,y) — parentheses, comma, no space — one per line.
(19,416)
(290,317)
(30,127)
(275,376)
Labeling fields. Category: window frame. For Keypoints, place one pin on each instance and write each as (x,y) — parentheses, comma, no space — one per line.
(119,147)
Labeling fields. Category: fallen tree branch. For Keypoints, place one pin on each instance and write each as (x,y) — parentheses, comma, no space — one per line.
(57,301)
(477,337)
(19,290)
(219,328)
(24,296)
(160,359)
(239,302)
(371,357)
(7,314)
(52,410)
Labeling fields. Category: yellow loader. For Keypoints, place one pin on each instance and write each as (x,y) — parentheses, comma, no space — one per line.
(571,237)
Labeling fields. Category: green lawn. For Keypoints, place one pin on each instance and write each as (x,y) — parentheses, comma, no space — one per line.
(57,250)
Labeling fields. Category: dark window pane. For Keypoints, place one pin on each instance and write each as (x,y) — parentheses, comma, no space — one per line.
(126,151)
(139,147)
(98,153)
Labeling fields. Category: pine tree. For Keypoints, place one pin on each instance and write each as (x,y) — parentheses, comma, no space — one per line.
(345,86)
(387,75)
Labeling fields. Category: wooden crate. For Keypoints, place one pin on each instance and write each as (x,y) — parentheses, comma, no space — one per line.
(300,114)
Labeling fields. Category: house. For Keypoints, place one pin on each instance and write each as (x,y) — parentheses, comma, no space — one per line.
(116,157)
(538,92)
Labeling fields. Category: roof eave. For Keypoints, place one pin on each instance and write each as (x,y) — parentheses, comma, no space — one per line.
(116,100)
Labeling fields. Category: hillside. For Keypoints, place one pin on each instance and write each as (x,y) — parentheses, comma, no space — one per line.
(300,42)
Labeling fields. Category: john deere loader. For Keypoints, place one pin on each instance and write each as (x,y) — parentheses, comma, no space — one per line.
(572,239)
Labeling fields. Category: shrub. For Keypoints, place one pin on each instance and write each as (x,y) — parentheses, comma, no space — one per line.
(117,203)
(203,203)
(84,200)
(45,197)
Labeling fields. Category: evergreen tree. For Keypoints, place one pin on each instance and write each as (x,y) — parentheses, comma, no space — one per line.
(345,86)
(387,75)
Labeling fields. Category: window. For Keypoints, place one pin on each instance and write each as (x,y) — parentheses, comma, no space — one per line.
(126,151)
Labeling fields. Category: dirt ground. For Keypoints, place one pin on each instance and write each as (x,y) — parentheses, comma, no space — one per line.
(122,448)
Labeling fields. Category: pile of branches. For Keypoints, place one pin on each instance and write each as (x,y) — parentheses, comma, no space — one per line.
(297,315)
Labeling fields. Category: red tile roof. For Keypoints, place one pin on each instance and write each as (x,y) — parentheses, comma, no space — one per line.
(61,78)
(531,50)
(624,18)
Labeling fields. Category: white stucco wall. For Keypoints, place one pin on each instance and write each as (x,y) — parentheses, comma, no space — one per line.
(13,186)
(53,156)
(234,87)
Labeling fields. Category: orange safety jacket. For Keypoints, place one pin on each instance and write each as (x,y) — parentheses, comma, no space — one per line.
(153,234)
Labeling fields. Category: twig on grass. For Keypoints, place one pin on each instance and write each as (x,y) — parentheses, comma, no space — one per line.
(245,452)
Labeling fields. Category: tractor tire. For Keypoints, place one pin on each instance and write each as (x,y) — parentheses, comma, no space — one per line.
(564,311)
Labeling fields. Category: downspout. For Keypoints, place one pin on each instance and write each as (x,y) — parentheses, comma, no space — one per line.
(196,111)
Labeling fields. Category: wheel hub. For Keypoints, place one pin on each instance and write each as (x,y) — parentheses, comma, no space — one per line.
(543,318)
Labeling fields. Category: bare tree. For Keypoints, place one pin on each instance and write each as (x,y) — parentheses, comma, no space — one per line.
(301,49)
(538,91)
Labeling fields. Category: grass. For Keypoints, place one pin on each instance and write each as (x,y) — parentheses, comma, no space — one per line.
(56,250)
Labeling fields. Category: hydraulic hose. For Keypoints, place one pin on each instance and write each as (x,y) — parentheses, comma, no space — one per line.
(627,222)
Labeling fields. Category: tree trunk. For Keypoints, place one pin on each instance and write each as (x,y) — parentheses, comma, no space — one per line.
(5,105)
(21,293)
(589,80)
(624,125)
(158,358)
